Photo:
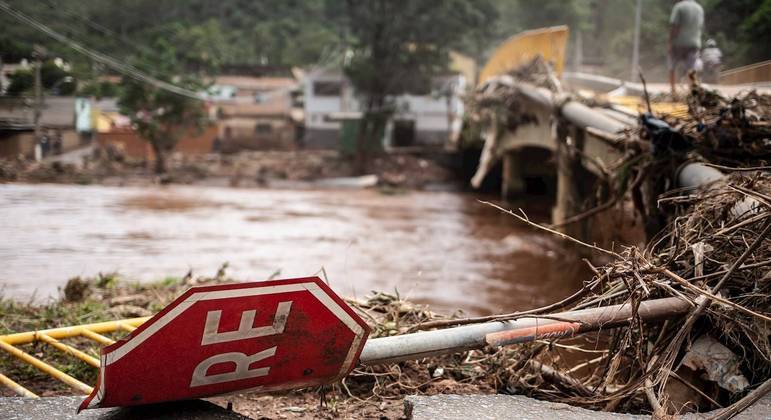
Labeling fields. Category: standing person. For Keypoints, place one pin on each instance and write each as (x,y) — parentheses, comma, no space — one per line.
(45,144)
(686,23)
(713,59)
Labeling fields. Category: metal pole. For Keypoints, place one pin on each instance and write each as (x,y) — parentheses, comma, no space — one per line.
(452,340)
(578,58)
(695,174)
(573,111)
(38,94)
(692,175)
(636,47)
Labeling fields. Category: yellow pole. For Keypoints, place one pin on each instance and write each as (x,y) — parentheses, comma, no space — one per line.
(24,392)
(69,350)
(46,368)
(65,332)
(96,337)
(127,327)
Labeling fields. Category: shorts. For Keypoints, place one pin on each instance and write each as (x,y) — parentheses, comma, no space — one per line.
(683,59)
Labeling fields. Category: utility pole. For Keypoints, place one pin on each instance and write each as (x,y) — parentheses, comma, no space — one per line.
(38,54)
(578,57)
(636,46)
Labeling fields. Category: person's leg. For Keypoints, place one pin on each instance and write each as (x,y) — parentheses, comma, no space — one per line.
(671,63)
(672,81)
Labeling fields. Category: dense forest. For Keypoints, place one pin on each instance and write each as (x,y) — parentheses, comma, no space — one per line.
(280,34)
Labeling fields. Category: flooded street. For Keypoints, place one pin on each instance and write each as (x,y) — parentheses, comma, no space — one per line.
(441,248)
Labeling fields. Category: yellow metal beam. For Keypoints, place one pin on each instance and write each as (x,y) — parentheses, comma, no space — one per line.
(93,361)
(52,336)
(46,368)
(66,332)
(127,327)
(24,392)
(99,338)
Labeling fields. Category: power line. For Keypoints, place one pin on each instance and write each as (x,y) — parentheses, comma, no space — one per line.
(101,28)
(116,65)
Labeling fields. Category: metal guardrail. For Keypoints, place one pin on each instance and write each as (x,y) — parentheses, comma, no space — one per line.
(753,73)
(52,337)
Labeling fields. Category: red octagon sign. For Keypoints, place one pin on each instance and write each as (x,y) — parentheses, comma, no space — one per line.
(254,337)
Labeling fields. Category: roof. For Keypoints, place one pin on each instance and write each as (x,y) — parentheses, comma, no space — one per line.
(273,108)
(256,83)
(57,112)
(107,105)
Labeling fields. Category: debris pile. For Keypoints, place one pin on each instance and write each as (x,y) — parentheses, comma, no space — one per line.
(732,132)
(279,169)
(717,258)
(708,247)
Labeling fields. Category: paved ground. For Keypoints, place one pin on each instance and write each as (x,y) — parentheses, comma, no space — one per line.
(65,408)
(450,407)
(498,407)
(73,157)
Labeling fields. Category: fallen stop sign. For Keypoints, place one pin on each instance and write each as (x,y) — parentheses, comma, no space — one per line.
(262,336)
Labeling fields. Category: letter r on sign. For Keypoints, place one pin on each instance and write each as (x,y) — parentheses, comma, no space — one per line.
(246,330)
(242,370)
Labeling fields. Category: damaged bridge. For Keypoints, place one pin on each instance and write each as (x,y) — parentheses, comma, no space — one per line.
(579,137)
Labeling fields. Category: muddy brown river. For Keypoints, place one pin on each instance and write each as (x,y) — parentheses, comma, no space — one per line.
(441,248)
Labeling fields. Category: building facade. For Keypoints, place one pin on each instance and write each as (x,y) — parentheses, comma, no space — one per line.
(419,120)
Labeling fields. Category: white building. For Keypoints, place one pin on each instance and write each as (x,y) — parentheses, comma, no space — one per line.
(420,120)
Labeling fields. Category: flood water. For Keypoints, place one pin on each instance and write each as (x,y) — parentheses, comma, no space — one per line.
(441,248)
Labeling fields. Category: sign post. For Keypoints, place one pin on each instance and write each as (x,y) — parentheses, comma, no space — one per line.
(213,340)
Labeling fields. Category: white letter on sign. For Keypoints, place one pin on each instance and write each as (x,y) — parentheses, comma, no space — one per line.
(245,331)
(242,371)
(246,327)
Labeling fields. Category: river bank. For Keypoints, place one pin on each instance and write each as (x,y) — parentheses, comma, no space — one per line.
(277,169)
(372,392)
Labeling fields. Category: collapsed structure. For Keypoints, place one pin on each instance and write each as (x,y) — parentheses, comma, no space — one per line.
(707,245)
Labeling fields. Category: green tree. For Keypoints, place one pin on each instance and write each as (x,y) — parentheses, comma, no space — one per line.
(101,89)
(159,116)
(755,30)
(399,47)
(53,78)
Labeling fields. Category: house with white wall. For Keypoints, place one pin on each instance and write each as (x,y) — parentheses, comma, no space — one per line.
(420,120)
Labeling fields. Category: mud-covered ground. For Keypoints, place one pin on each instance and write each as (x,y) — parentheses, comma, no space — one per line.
(366,393)
(244,169)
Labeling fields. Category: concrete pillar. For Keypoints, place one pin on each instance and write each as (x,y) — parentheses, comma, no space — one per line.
(568,200)
(512,185)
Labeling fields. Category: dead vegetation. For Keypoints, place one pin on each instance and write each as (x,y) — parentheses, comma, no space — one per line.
(716,255)
(709,247)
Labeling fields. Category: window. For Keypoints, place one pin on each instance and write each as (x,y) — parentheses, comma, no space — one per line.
(263,128)
(327,88)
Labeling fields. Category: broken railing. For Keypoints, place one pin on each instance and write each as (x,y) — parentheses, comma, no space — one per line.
(52,337)
(376,351)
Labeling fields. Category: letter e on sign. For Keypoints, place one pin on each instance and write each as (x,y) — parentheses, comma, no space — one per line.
(256,337)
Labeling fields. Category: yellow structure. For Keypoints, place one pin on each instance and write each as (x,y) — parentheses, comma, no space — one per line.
(637,105)
(464,65)
(51,337)
(523,47)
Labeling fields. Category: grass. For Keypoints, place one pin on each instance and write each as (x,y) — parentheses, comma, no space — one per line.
(19,317)
(84,301)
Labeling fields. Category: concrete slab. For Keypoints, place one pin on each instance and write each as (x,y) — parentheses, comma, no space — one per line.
(65,408)
(496,407)
(499,407)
